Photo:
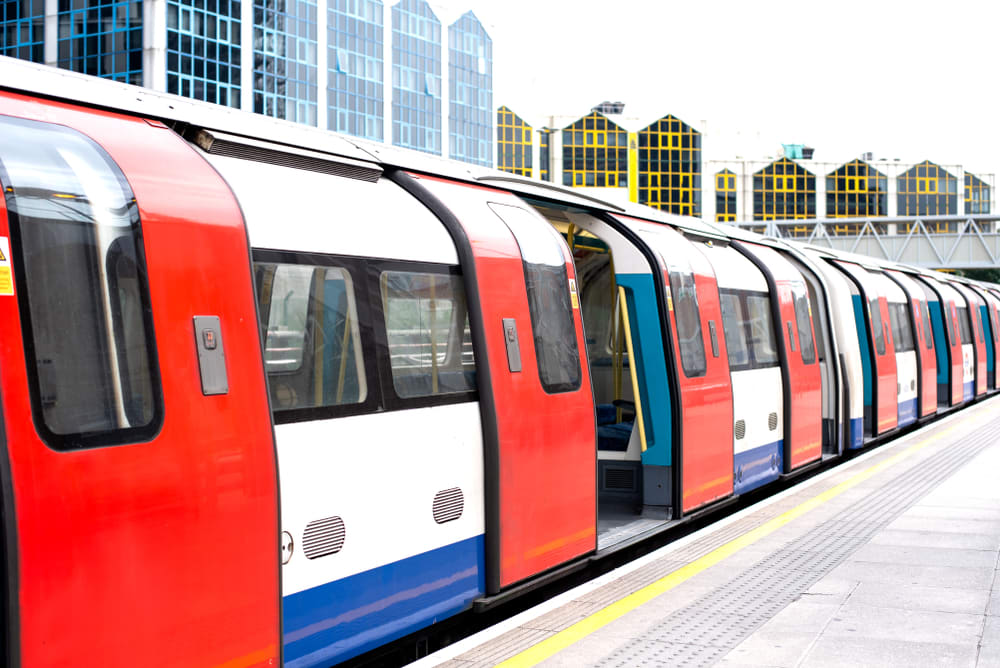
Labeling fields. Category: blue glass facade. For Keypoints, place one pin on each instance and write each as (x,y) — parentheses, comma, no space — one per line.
(22,24)
(416,76)
(355,57)
(470,89)
(102,38)
(203,50)
(284,59)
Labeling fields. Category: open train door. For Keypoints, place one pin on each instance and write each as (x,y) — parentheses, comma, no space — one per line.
(948,343)
(539,429)
(800,370)
(701,364)
(875,309)
(974,305)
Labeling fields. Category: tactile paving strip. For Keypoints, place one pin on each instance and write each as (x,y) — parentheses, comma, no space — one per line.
(704,631)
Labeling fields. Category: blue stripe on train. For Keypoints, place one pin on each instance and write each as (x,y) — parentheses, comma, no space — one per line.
(756,467)
(338,620)
(968,390)
(907,412)
(857,433)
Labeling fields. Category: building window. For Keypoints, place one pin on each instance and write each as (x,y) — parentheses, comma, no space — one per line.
(23,27)
(977,195)
(203,51)
(784,191)
(284,59)
(855,190)
(355,49)
(470,87)
(595,153)
(725,196)
(514,143)
(544,153)
(928,190)
(416,77)
(670,167)
(104,41)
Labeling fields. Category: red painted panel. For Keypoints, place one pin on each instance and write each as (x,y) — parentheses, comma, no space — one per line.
(926,358)
(546,474)
(160,552)
(804,398)
(706,400)
(955,350)
(886,397)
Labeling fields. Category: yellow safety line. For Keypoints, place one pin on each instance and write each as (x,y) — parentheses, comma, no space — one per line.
(563,639)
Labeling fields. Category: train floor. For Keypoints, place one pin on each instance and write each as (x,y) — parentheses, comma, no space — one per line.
(888,560)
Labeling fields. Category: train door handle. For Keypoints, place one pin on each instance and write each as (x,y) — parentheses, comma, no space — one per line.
(513,348)
(791,337)
(715,340)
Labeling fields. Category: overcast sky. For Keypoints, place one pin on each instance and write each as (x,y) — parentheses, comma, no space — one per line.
(909,80)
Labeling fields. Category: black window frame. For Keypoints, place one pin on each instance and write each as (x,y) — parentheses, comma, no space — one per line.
(753,361)
(68,442)
(676,273)
(903,335)
(964,326)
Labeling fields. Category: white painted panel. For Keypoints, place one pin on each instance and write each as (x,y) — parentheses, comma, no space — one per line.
(906,376)
(733,270)
(379,473)
(299,210)
(756,394)
(968,364)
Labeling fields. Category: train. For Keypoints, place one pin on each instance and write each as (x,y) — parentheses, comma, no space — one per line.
(272,395)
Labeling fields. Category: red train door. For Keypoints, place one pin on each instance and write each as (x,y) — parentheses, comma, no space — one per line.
(972,304)
(701,364)
(135,410)
(880,340)
(800,369)
(541,459)
(924,344)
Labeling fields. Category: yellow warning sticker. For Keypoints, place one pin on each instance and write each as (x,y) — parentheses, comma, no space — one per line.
(6,278)
(572,294)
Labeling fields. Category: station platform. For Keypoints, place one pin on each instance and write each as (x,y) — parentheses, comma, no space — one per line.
(888,560)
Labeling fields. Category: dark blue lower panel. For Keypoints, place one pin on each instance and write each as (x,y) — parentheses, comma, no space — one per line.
(907,412)
(968,390)
(756,467)
(857,433)
(341,619)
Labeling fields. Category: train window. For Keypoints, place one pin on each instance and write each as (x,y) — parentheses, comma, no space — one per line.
(312,339)
(547,282)
(81,272)
(949,320)
(877,326)
(902,333)
(762,344)
(803,322)
(427,332)
(963,325)
(688,317)
(928,332)
(734,327)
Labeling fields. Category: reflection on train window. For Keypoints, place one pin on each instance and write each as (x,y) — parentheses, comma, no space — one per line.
(877,327)
(547,284)
(949,319)
(902,332)
(925,316)
(734,327)
(762,344)
(427,330)
(82,286)
(688,319)
(803,323)
(963,325)
(312,344)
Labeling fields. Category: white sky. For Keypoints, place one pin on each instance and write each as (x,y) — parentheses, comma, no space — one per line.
(909,80)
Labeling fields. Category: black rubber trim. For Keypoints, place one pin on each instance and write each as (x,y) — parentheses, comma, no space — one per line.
(676,409)
(485,603)
(10,618)
(484,381)
(779,330)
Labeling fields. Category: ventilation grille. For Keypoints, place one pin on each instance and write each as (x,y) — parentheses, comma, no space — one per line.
(740,429)
(448,505)
(230,146)
(772,421)
(323,537)
(619,479)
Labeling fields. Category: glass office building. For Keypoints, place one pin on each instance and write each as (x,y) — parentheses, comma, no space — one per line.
(374,69)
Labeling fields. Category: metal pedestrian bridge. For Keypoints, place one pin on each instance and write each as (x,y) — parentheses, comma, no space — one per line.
(935,242)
